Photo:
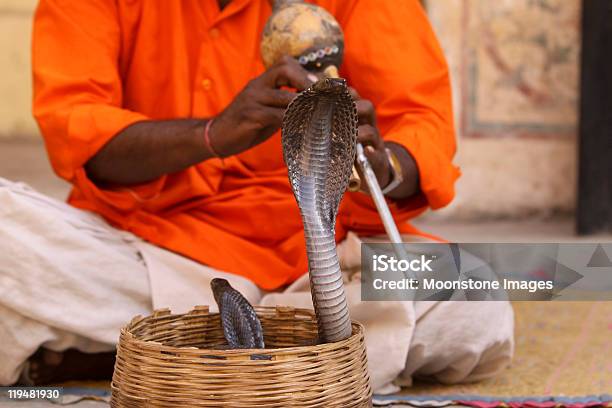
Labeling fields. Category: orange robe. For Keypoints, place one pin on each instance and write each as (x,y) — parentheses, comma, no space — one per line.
(100,66)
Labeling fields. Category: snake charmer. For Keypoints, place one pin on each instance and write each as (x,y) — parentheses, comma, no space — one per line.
(163,118)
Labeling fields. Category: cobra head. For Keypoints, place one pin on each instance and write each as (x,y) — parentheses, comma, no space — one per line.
(304,31)
(219,286)
(330,85)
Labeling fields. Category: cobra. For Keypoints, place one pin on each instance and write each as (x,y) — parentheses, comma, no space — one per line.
(319,135)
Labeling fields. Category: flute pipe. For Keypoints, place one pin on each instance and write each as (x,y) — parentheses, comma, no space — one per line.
(377,196)
(381,206)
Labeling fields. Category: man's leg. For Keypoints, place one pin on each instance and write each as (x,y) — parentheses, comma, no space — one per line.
(67,279)
(388,328)
(449,341)
(457,342)
(389,325)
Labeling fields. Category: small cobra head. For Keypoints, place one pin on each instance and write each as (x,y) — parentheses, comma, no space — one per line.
(219,286)
(330,85)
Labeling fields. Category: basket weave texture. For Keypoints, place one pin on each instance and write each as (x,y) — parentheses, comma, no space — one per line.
(167,360)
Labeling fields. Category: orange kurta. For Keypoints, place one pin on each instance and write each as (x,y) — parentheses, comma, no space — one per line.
(102,65)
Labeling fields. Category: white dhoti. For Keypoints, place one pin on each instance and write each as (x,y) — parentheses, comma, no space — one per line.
(70,280)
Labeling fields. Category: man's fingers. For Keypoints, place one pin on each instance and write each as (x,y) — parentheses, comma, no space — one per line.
(374,149)
(366,112)
(277,98)
(368,135)
(377,160)
(373,155)
(365,108)
(288,72)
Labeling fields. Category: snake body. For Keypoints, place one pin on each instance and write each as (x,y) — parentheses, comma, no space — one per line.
(319,137)
(319,133)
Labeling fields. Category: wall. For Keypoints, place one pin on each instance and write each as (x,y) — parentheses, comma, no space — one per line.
(515,68)
(15,78)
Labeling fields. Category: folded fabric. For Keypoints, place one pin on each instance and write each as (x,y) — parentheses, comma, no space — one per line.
(480,401)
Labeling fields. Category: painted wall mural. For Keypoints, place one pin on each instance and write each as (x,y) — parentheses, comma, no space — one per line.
(518,65)
(521,67)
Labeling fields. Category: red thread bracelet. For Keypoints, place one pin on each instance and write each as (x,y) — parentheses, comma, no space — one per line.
(207,139)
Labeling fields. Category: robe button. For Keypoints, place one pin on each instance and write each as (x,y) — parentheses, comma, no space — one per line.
(206,84)
(214,32)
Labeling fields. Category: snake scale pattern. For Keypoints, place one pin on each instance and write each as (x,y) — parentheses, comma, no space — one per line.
(241,326)
(319,136)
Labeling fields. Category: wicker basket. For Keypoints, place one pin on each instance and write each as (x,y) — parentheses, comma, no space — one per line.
(167,360)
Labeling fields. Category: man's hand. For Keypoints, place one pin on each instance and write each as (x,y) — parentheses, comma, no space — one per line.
(256,113)
(369,136)
(149,149)
(374,148)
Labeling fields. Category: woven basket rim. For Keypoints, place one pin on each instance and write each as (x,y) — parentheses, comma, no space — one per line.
(174,368)
(127,335)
